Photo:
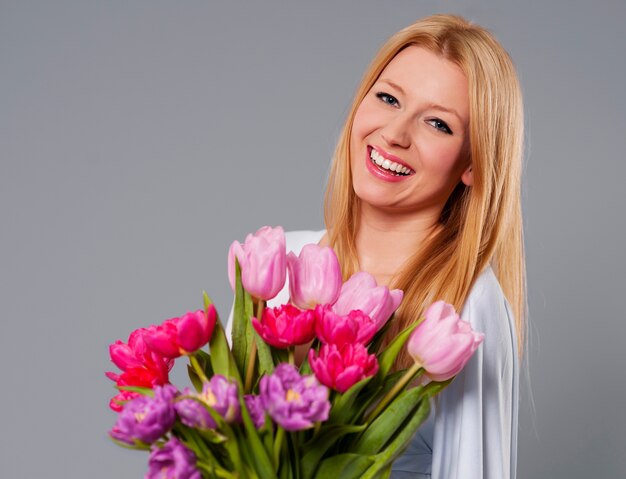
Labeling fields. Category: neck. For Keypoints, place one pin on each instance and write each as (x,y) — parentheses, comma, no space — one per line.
(385,241)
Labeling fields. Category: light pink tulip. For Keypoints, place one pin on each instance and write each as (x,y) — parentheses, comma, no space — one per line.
(355,327)
(442,344)
(314,276)
(362,292)
(263,261)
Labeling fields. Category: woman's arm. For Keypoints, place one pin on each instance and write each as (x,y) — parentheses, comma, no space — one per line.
(475,434)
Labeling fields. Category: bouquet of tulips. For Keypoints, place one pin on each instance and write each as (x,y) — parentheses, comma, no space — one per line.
(254,411)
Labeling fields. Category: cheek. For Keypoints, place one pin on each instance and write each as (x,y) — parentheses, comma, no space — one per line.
(364,121)
(444,161)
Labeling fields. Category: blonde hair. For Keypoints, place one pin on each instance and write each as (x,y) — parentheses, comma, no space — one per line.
(482,223)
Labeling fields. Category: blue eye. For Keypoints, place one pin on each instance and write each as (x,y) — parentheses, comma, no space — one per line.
(440,125)
(386,98)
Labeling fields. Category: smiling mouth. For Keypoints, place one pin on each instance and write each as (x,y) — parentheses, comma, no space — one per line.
(388,166)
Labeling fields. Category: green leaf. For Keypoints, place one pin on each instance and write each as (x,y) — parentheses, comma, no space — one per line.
(264,352)
(388,423)
(262,462)
(315,449)
(140,446)
(248,311)
(212,436)
(193,377)
(222,361)
(384,459)
(378,338)
(205,361)
(240,321)
(344,466)
(137,389)
(387,357)
(342,411)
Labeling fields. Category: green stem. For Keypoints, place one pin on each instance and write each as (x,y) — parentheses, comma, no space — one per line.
(218,471)
(197,368)
(292,360)
(278,444)
(253,350)
(250,368)
(399,386)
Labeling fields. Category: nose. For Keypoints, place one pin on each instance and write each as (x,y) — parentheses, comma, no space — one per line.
(396,132)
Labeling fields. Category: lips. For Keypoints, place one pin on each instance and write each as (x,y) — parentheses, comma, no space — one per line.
(382,173)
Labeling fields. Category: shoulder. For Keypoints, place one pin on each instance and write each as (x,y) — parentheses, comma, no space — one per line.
(295,240)
(489,312)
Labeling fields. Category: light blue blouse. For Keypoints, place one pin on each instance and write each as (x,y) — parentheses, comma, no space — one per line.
(472,430)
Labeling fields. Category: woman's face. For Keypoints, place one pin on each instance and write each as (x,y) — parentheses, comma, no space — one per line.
(414,120)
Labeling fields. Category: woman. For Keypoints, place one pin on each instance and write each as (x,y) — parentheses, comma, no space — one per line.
(424,194)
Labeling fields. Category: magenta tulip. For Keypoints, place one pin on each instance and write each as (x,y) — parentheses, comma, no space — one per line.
(442,344)
(341,368)
(263,261)
(140,365)
(355,327)
(184,335)
(361,292)
(314,276)
(195,329)
(285,326)
(125,356)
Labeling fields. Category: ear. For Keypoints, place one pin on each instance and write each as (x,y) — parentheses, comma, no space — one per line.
(468,177)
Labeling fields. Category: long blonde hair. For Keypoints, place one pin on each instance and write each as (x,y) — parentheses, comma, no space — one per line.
(482,223)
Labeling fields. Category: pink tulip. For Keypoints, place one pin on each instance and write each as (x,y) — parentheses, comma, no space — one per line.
(442,344)
(285,326)
(129,355)
(341,368)
(117,402)
(140,365)
(195,329)
(184,335)
(331,328)
(362,292)
(263,261)
(314,276)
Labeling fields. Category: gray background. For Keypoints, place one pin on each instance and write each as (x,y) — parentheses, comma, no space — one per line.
(138,139)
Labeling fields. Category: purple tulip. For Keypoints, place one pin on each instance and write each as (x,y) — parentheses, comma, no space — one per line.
(192,413)
(314,276)
(146,418)
(263,261)
(218,393)
(442,344)
(295,402)
(362,292)
(255,408)
(172,461)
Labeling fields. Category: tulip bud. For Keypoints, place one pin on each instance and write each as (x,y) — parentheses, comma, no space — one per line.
(362,292)
(263,261)
(186,334)
(340,368)
(355,327)
(442,344)
(314,276)
(285,326)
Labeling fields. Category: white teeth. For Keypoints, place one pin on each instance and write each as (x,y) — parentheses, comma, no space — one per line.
(388,164)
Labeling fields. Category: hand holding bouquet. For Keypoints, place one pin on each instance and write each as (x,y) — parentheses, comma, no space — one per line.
(253,412)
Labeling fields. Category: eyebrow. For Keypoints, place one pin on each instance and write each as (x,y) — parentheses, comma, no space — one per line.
(434,106)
